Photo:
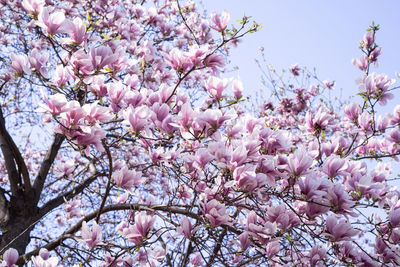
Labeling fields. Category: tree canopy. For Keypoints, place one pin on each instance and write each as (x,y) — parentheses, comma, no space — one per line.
(124,143)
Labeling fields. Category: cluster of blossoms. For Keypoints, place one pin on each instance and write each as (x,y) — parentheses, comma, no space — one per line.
(154,160)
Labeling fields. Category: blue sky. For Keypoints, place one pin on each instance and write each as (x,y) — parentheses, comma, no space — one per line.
(314,33)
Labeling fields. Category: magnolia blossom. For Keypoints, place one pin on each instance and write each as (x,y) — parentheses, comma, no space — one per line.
(215,86)
(339,230)
(215,213)
(33,7)
(10,258)
(51,21)
(91,236)
(220,21)
(138,232)
(126,178)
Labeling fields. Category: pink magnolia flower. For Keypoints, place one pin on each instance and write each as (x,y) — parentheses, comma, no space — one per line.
(71,207)
(77,31)
(82,62)
(102,56)
(137,118)
(19,64)
(295,70)
(258,229)
(214,118)
(215,212)
(213,61)
(43,260)
(52,23)
(317,255)
(56,104)
(365,122)
(91,236)
(186,116)
(299,162)
(339,230)
(33,7)
(244,240)
(178,60)
(215,86)
(361,63)
(237,87)
(138,232)
(96,113)
(352,111)
(126,178)
(373,56)
(377,87)
(65,168)
(220,21)
(334,165)
(318,121)
(185,228)
(394,218)
(38,61)
(10,258)
(116,92)
(340,199)
(272,248)
(284,218)
(369,38)
(62,75)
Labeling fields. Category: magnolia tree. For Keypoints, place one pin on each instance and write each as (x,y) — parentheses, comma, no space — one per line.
(122,145)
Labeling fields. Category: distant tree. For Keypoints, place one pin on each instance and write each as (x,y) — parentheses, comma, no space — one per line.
(123,146)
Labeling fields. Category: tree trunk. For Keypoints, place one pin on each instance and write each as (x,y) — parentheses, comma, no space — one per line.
(16,232)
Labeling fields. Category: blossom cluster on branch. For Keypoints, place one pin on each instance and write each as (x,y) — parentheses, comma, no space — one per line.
(123,144)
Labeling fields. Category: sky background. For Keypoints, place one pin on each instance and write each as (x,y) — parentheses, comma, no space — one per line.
(313,33)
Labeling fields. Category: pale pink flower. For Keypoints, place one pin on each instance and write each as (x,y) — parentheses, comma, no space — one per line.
(394,218)
(339,230)
(62,75)
(185,228)
(299,162)
(215,212)
(20,64)
(91,236)
(102,56)
(126,178)
(138,232)
(295,70)
(244,240)
(33,6)
(137,118)
(56,104)
(333,166)
(215,86)
(259,229)
(361,63)
(10,258)
(43,260)
(237,87)
(38,60)
(52,23)
(317,255)
(77,31)
(368,38)
(220,21)
(273,248)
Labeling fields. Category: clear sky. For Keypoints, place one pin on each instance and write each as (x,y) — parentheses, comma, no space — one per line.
(314,33)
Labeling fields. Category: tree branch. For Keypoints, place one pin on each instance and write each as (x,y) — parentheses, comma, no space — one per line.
(135,207)
(46,164)
(8,154)
(57,201)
